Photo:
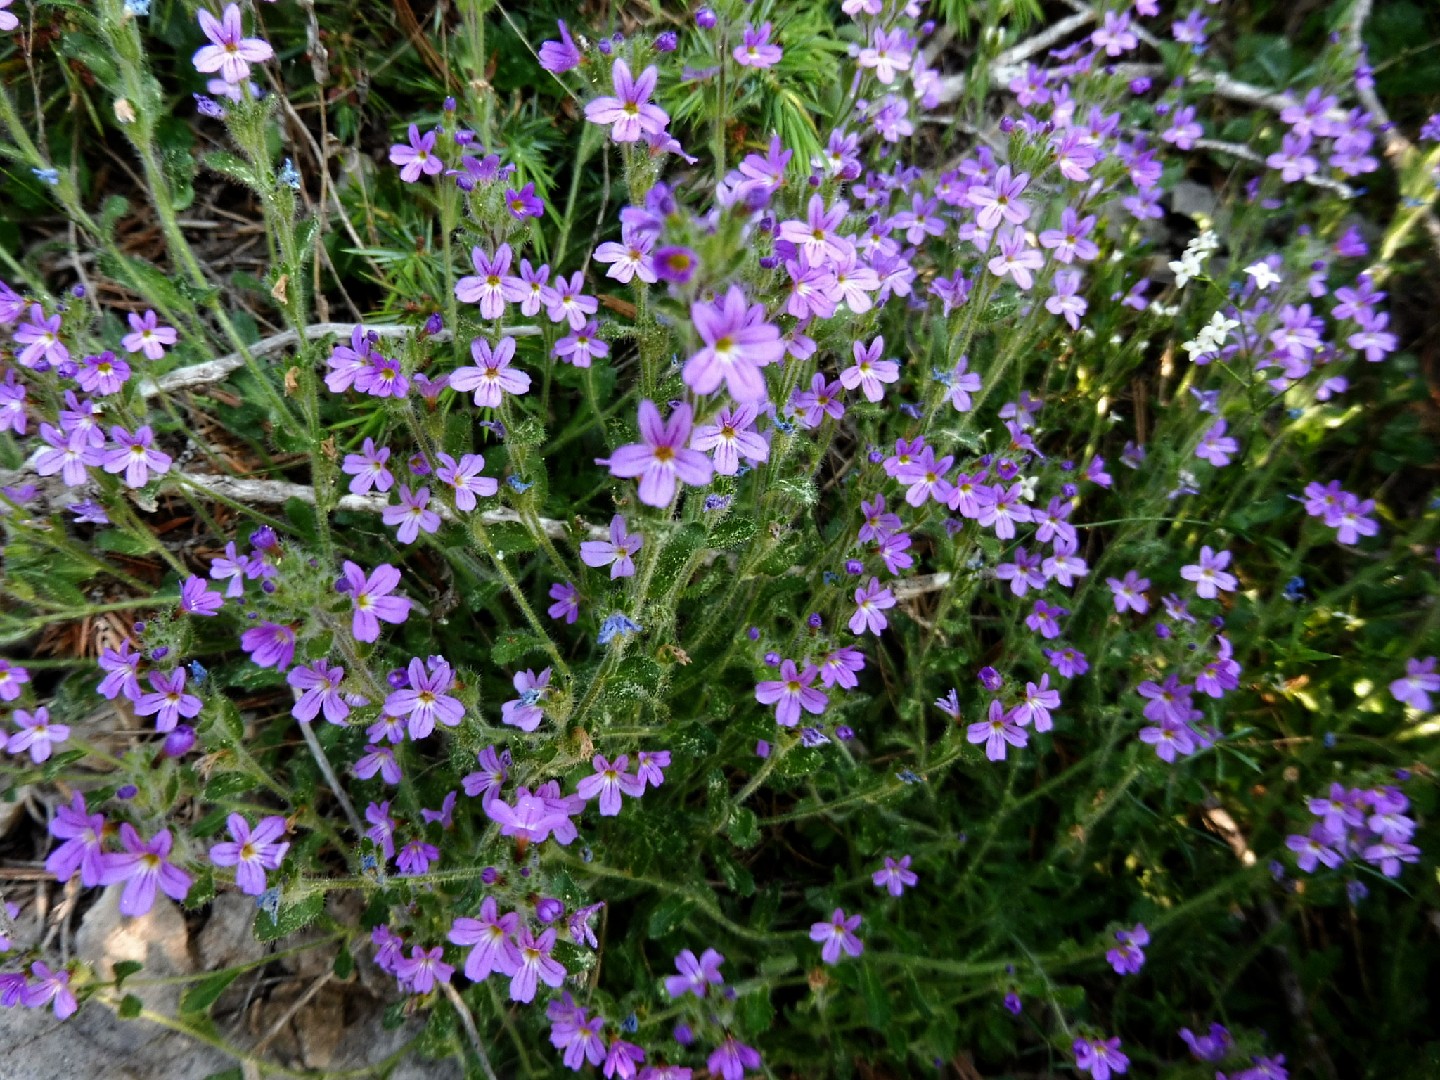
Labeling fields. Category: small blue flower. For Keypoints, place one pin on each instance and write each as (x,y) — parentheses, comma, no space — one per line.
(911,410)
(529,697)
(1295,589)
(813,736)
(630,1024)
(47,176)
(269,902)
(717,502)
(617,624)
(288,175)
(518,485)
(137,7)
(198,672)
(830,577)
(905,776)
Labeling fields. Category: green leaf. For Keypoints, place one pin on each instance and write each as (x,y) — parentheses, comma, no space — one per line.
(344,965)
(877,1001)
(668,914)
(124,969)
(743,828)
(130,1007)
(290,917)
(514,644)
(206,992)
(232,167)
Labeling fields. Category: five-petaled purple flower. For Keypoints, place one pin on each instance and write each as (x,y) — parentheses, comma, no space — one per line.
(661,459)
(630,112)
(230,52)
(372,600)
(252,851)
(837,935)
(144,866)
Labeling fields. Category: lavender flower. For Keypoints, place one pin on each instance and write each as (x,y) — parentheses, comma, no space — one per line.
(660,459)
(629,112)
(230,53)
(252,851)
(144,866)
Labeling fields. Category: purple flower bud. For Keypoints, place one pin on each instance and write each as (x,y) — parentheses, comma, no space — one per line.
(683,1035)
(549,909)
(604,46)
(844,732)
(397,679)
(126,791)
(1007,124)
(66,369)
(140,627)
(489,875)
(1162,631)
(434,324)
(160,652)
(762,749)
(449,105)
(769,262)
(854,566)
(753,633)
(42,365)
(927,27)
(667,42)
(1402,775)
(1069,490)
(78,291)
(815,621)
(990,679)
(1006,470)
(342,585)
(772,659)
(1140,86)
(524,871)
(267,586)
(1217,621)
(179,742)
(418,465)
(705,20)
(264,539)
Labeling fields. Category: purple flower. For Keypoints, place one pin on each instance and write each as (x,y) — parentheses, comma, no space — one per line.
(367,469)
(524,203)
(168,701)
(422,969)
(252,851)
(1064,302)
(755,49)
(372,600)
(1209,575)
(869,373)
(41,338)
(730,1059)
(696,976)
(1017,258)
(675,264)
(230,53)
(492,937)
(36,735)
(535,963)
(319,684)
(998,200)
(1129,593)
(1211,1047)
(608,782)
(415,857)
(425,700)
(122,674)
(837,935)
(630,257)
(1035,705)
(1129,958)
(580,347)
(134,456)
(1216,447)
(617,552)
(269,645)
(818,236)
(1419,682)
(486,287)
(558,57)
(412,515)
(379,759)
(629,112)
(143,866)
(13,677)
(622,1059)
(565,301)
(839,666)
(567,602)
(730,436)
(871,602)
(577,1034)
(83,834)
(661,458)
(791,693)
(197,599)
(102,374)
(12,405)
(416,157)
(464,477)
(995,731)
(895,876)
(1100,1057)
(525,712)
(738,342)
(49,988)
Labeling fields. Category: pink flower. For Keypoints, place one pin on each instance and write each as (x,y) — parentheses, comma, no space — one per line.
(871,603)
(629,112)
(135,456)
(492,936)
(837,935)
(486,286)
(869,373)
(465,479)
(730,436)
(230,53)
(319,684)
(168,701)
(147,335)
(535,964)
(144,866)
(661,459)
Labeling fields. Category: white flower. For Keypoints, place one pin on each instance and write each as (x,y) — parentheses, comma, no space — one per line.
(1263,275)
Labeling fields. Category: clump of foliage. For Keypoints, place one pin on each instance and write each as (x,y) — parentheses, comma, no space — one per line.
(765,540)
